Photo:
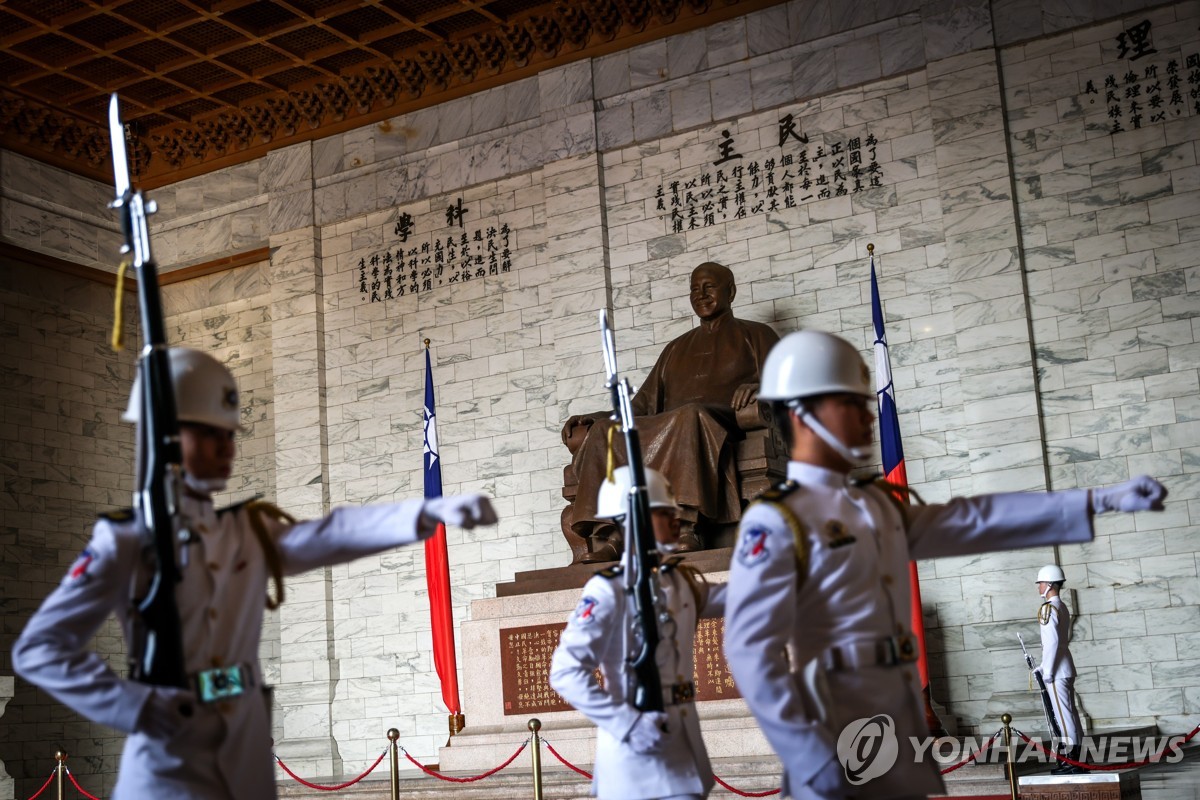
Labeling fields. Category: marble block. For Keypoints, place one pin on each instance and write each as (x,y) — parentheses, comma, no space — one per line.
(6,694)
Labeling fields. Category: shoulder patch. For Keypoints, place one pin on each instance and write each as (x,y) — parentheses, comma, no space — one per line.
(585,612)
(118,515)
(611,572)
(752,548)
(79,570)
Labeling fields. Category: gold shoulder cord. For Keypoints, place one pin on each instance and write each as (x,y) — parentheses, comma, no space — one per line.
(255,511)
(901,497)
(1044,613)
(799,540)
(699,586)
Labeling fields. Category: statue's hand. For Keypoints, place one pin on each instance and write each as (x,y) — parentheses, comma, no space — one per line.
(745,394)
(577,420)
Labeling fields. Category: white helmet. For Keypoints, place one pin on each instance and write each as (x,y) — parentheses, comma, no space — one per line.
(612,500)
(205,391)
(809,363)
(1051,573)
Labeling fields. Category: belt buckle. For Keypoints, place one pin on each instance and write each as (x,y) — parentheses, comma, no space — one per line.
(221,683)
(891,653)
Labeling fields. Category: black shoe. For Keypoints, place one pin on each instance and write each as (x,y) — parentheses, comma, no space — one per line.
(1074,752)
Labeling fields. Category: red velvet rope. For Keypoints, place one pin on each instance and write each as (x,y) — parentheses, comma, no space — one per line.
(82,791)
(566,763)
(298,779)
(44,785)
(723,784)
(472,778)
(1110,767)
(745,794)
(973,756)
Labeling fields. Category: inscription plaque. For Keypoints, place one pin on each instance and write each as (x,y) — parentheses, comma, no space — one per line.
(525,654)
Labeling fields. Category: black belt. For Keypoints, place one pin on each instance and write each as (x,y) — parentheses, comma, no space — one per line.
(888,652)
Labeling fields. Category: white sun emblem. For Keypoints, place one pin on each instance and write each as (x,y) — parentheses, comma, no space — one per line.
(431,443)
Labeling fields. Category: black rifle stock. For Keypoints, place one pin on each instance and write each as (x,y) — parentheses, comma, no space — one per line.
(1047,703)
(640,587)
(158,656)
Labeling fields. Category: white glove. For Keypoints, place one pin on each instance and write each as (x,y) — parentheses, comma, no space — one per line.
(830,780)
(462,511)
(1142,493)
(649,733)
(166,712)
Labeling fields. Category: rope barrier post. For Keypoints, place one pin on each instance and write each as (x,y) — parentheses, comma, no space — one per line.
(535,725)
(61,757)
(393,736)
(1011,766)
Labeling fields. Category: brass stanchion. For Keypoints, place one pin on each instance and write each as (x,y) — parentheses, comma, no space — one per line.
(61,758)
(393,736)
(535,725)
(1006,719)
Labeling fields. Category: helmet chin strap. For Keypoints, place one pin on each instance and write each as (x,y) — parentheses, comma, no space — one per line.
(855,456)
(204,486)
(1046,591)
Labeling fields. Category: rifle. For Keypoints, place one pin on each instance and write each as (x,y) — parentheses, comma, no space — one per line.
(1047,704)
(157,652)
(641,663)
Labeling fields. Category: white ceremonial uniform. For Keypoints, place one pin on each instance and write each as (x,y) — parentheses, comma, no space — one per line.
(224,749)
(593,638)
(846,613)
(1058,668)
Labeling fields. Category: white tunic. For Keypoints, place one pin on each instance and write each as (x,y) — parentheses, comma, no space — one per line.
(1055,628)
(225,750)
(855,590)
(593,639)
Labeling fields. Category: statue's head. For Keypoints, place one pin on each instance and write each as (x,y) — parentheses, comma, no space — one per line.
(712,290)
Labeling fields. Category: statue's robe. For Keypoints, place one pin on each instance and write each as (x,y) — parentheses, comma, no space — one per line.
(685,421)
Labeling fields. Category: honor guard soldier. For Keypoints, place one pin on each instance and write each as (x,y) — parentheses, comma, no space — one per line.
(821,570)
(639,755)
(1057,667)
(211,740)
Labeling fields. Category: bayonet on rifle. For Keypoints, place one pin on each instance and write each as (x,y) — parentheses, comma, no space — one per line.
(641,586)
(157,656)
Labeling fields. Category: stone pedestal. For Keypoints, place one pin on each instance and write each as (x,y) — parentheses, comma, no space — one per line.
(6,693)
(491,736)
(1095,786)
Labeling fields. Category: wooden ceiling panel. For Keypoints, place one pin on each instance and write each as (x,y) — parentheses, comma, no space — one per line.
(207,83)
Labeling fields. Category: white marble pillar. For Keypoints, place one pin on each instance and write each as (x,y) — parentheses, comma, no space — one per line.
(307,678)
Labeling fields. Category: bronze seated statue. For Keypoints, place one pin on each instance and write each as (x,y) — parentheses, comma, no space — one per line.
(700,425)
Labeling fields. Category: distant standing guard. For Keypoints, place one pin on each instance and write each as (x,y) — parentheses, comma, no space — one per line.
(651,755)
(822,566)
(1057,667)
(211,740)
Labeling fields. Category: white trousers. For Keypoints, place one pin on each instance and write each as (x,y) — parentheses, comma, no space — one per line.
(1062,694)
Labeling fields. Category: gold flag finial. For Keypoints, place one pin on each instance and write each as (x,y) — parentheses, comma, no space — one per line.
(426,344)
(870,249)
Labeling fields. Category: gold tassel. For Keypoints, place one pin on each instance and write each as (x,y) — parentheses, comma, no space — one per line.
(611,466)
(118,337)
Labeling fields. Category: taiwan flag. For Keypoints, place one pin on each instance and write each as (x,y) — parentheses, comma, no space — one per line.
(437,563)
(894,472)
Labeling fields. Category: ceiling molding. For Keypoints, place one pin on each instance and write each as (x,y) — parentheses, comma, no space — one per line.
(208,84)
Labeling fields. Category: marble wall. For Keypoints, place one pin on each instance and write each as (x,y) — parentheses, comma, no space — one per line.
(1041,312)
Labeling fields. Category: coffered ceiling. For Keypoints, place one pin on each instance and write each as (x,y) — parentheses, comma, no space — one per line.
(207,83)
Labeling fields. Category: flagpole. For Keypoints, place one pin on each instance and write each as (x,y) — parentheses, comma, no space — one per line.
(895,473)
